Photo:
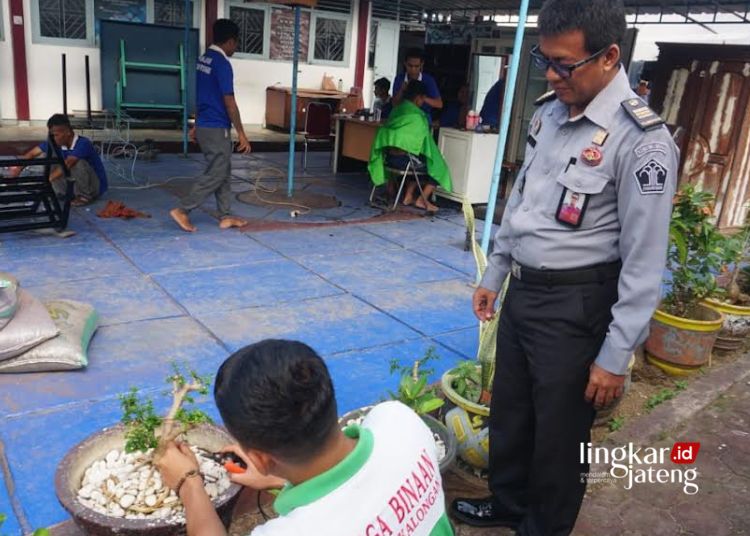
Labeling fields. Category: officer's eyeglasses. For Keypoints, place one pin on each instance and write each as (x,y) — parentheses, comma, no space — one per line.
(543,63)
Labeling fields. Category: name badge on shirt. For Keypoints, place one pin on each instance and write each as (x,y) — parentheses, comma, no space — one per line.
(571,208)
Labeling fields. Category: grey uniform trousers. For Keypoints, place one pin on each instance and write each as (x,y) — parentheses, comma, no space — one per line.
(216,144)
(86,181)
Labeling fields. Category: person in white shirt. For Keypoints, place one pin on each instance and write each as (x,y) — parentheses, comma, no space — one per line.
(380,478)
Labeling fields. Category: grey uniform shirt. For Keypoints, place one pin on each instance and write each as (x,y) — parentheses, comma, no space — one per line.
(629,204)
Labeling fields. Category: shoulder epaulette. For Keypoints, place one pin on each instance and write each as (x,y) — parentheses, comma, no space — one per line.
(643,116)
(550,95)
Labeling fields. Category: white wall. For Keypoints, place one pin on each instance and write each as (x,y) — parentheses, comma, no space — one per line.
(252,77)
(7,89)
(44,66)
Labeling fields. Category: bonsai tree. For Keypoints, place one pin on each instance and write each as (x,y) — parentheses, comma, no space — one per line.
(413,389)
(735,252)
(697,253)
(146,430)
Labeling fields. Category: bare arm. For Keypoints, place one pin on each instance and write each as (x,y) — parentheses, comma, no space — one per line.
(28,155)
(200,514)
(435,102)
(58,174)
(234,115)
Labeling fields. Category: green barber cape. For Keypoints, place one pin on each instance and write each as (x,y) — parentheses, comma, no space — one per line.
(407,129)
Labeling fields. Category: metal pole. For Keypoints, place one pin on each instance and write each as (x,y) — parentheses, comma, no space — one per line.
(293,121)
(88,92)
(186,55)
(510,91)
(65,85)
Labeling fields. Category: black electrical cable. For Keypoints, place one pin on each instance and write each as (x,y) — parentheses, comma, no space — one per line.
(260,508)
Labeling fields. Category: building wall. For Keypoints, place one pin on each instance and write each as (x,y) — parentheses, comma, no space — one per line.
(7,90)
(251,76)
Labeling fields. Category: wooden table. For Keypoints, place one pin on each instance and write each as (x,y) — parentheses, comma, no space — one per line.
(279,104)
(354,139)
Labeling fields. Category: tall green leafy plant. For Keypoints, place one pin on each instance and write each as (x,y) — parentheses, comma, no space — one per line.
(413,389)
(697,252)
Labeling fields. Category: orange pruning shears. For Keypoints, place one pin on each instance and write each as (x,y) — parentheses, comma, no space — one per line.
(230,461)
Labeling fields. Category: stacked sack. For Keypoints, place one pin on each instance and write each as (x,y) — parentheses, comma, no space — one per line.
(37,337)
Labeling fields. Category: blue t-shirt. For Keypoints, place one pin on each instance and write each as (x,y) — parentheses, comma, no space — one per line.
(490,113)
(215,80)
(432,90)
(83,149)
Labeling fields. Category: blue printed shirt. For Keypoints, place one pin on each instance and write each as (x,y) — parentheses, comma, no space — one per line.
(215,79)
(83,149)
(490,113)
(430,84)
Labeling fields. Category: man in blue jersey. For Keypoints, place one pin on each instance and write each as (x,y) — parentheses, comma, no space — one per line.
(81,158)
(217,112)
(413,70)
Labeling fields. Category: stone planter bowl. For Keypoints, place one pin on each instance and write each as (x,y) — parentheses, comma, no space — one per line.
(70,471)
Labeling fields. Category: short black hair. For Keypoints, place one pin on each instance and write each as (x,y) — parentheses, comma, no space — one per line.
(414,89)
(414,53)
(224,30)
(58,120)
(277,396)
(601,21)
(383,83)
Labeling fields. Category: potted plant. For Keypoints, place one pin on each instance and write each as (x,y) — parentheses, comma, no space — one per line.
(733,300)
(469,385)
(108,482)
(415,392)
(683,329)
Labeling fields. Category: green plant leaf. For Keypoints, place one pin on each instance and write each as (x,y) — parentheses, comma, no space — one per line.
(418,387)
(430,405)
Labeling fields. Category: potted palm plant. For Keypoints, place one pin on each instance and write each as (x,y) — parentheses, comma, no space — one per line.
(683,328)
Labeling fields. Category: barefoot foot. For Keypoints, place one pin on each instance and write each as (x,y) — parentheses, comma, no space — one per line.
(227,222)
(182,219)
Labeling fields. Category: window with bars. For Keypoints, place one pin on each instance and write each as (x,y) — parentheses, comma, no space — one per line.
(330,38)
(172,12)
(252,23)
(63,19)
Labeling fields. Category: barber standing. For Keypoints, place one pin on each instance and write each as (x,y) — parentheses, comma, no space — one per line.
(585,283)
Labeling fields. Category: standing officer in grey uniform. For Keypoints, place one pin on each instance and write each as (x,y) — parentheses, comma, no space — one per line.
(584,237)
(217,112)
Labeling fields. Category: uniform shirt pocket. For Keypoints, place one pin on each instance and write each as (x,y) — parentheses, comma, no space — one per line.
(589,184)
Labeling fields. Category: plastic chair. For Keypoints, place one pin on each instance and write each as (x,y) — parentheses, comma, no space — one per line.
(317,125)
(414,166)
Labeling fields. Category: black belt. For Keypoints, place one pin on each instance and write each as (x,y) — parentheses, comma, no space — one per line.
(598,273)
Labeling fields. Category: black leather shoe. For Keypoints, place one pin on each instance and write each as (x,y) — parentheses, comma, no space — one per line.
(483,513)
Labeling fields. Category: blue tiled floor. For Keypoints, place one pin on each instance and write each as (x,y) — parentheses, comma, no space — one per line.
(360,294)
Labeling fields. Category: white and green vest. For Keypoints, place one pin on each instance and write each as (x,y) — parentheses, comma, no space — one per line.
(389,485)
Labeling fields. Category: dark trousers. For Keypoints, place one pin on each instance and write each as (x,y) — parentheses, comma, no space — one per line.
(547,339)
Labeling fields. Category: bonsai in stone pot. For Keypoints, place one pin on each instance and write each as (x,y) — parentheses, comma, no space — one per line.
(683,329)
(109,484)
(733,298)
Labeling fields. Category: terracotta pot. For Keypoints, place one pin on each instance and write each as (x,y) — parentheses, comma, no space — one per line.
(736,324)
(70,474)
(683,343)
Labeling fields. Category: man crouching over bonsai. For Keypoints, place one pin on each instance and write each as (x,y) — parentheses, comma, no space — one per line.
(276,398)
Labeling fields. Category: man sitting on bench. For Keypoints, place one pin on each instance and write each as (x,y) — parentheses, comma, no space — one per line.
(85,166)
